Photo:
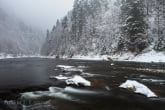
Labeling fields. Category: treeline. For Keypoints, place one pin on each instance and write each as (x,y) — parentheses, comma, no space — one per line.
(108,27)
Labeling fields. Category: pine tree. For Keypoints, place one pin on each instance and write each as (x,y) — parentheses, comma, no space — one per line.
(133,25)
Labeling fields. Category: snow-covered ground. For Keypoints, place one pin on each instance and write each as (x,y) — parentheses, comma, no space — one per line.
(151,56)
(138,88)
(90,57)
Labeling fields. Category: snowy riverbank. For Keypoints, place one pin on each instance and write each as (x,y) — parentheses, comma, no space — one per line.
(151,56)
(10,56)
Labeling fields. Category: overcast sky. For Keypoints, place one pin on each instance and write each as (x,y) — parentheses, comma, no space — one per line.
(39,13)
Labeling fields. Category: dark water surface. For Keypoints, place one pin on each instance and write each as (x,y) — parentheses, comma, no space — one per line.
(32,77)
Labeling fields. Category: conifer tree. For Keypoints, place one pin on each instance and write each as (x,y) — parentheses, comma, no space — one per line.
(133,25)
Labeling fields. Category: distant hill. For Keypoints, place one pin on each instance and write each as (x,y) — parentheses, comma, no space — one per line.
(17,38)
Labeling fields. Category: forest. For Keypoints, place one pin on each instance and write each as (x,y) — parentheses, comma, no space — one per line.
(106,27)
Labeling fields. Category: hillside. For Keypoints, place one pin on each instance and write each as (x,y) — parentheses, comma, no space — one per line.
(108,27)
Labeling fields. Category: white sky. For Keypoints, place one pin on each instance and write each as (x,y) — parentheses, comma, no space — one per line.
(39,13)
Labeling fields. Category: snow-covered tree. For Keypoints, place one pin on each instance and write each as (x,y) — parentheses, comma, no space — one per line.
(133,25)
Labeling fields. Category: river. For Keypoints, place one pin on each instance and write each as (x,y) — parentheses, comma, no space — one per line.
(30,84)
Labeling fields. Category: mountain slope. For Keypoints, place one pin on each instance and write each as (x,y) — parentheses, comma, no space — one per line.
(106,27)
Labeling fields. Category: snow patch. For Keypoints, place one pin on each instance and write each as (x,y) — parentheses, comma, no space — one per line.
(138,88)
(91,57)
(122,57)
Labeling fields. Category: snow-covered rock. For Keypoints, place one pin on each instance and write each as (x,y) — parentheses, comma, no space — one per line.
(64,66)
(78,80)
(70,68)
(75,80)
(138,88)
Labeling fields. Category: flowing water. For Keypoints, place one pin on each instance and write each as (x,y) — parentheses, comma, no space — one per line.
(31,84)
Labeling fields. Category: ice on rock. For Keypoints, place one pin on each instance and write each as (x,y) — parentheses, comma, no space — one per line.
(138,88)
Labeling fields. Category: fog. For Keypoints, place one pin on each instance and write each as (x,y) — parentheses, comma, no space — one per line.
(38,13)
